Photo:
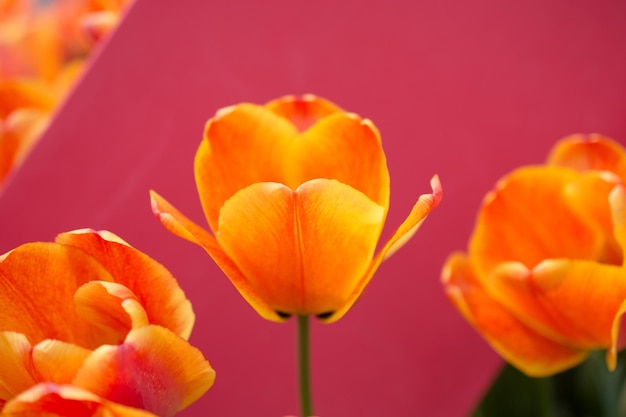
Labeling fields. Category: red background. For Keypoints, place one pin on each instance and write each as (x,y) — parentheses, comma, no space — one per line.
(468,90)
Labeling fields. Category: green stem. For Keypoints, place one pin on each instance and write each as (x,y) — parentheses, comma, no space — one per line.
(303,362)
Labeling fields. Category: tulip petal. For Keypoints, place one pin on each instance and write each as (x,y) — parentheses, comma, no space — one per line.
(57,361)
(517,343)
(592,152)
(587,197)
(18,134)
(584,295)
(47,399)
(15,94)
(303,112)
(16,363)
(617,202)
(154,369)
(242,145)
(36,282)
(154,286)
(110,306)
(345,148)
(514,224)
(177,223)
(302,251)
(400,237)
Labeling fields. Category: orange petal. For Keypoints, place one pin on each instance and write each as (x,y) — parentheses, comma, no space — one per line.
(57,361)
(302,251)
(592,152)
(247,144)
(66,79)
(47,399)
(303,112)
(243,145)
(517,343)
(37,284)
(401,236)
(174,221)
(18,135)
(526,219)
(617,201)
(16,94)
(585,296)
(154,370)
(154,286)
(345,148)
(16,364)
(588,198)
(110,306)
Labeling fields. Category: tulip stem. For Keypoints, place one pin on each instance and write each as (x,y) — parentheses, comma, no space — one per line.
(303,362)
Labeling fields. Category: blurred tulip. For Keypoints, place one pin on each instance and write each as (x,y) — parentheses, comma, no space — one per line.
(543,280)
(89,323)
(42,50)
(295,193)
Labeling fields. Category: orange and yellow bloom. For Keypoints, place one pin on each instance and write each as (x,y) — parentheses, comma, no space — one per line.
(295,193)
(544,279)
(92,326)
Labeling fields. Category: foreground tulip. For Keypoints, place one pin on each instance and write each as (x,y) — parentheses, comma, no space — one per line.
(295,193)
(544,279)
(92,325)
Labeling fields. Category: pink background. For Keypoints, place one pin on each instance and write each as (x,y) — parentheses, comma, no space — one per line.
(468,90)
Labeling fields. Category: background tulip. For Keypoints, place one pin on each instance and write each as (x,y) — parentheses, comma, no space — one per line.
(543,280)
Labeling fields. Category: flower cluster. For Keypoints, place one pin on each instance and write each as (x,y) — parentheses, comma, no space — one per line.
(544,279)
(92,325)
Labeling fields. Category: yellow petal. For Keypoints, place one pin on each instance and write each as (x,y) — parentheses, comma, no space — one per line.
(592,152)
(517,343)
(174,221)
(304,251)
(153,285)
(400,237)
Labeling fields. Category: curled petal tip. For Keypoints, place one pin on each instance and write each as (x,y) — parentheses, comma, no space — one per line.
(435,184)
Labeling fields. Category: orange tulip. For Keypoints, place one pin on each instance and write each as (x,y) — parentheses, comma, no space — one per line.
(90,324)
(296,193)
(544,280)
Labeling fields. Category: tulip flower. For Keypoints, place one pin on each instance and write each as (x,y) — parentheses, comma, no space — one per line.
(92,325)
(295,193)
(543,280)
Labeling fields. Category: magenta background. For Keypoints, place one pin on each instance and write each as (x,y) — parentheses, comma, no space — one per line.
(468,90)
